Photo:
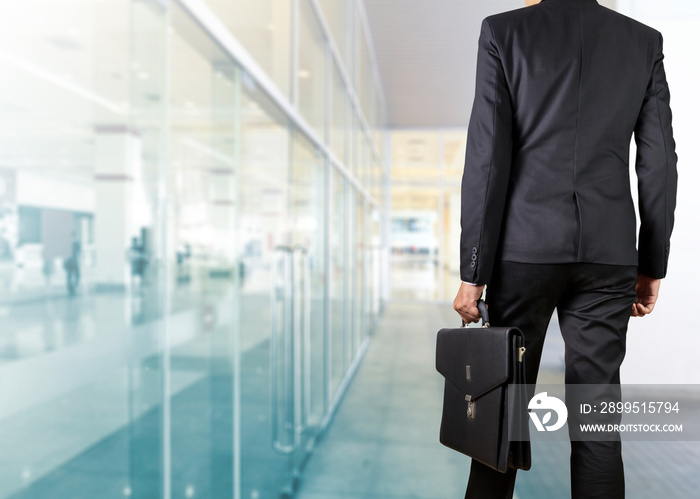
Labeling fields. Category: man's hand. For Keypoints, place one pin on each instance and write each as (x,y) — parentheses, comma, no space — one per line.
(465,302)
(647,294)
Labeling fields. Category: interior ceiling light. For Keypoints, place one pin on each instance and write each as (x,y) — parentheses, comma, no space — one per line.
(304,73)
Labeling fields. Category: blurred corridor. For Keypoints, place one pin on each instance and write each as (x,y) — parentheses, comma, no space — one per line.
(384,441)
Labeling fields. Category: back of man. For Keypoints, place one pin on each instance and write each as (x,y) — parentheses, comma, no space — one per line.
(548,219)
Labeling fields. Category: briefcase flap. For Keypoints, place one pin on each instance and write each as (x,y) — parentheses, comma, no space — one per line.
(475,360)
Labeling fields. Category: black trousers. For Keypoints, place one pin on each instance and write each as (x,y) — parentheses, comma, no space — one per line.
(593,305)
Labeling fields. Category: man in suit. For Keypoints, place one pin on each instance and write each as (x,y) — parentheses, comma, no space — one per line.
(548,220)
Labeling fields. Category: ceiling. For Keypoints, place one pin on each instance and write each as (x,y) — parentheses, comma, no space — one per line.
(426,53)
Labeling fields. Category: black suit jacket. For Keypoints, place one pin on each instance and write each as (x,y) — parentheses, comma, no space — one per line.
(561,88)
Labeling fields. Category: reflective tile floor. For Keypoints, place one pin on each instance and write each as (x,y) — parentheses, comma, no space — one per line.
(383,443)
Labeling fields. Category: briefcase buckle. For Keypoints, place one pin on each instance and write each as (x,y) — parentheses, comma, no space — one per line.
(521,352)
(470,406)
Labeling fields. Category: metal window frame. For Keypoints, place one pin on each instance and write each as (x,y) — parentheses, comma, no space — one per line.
(359,20)
(200,12)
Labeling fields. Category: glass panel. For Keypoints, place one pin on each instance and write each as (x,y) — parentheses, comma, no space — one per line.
(201,257)
(366,163)
(338,252)
(375,122)
(361,157)
(380,133)
(362,267)
(358,255)
(356,46)
(264,28)
(375,268)
(306,212)
(311,73)
(370,167)
(351,50)
(365,80)
(146,261)
(265,296)
(354,154)
(338,124)
(377,183)
(335,13)
(80,173)
(351,274)
(282,227)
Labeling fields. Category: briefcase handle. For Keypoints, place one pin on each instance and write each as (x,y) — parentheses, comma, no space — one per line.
(481,305)
(484,311)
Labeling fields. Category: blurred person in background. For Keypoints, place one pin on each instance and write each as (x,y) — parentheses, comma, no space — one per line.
(72,267)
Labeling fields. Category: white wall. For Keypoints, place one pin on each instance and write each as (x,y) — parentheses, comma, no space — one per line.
(45,191)
(665,346)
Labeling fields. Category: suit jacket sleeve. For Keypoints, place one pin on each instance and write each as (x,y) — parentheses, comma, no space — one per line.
(487,164)
(657,177)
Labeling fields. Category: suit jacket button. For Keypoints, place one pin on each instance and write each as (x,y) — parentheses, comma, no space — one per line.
(473,264)
(474,250)
(474,257)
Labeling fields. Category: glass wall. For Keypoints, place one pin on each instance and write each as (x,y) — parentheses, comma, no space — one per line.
(338,20)
(264,28)
(311,69)
(81,236)
(339,106)
(187,257)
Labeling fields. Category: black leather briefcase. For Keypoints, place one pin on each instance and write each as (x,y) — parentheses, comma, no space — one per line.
(484,413)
